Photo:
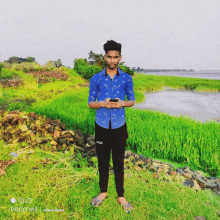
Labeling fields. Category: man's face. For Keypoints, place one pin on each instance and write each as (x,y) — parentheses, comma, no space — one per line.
(112,59)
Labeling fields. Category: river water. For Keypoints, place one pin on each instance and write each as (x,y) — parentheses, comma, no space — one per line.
(201,106)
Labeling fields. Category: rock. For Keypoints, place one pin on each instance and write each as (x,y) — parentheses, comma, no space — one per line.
(137,168)
(142,157)
(13,154)
(187,175)
(128,154)
(170,165)
(200,218)
(180,171)
(4,165)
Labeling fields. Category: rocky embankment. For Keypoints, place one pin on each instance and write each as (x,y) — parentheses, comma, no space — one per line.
(41,77)
(37,131)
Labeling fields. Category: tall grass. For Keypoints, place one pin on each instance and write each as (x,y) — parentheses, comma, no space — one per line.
(151,133)
(148,83)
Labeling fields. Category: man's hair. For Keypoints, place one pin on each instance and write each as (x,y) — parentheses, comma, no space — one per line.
(112,45)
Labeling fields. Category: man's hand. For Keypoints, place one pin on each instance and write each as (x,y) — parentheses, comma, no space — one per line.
(118,104)
(108,104)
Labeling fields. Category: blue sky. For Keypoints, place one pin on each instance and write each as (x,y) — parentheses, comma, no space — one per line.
(155,34)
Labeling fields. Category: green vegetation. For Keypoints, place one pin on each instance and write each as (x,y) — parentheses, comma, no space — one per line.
(149,83)
(64,186)
(158,135)
(28,67)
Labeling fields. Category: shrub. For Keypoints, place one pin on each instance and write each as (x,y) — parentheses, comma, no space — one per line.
(7,73)
(37,67)
(7,65)
(13,59)
(30,59)
(88,71)
(126,69)
(1,66)
(78,63)
(15,67)
(50,64)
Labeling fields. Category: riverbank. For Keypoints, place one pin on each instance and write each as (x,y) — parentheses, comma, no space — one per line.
(202,74)
(150,83)
(201,106)
(151,134)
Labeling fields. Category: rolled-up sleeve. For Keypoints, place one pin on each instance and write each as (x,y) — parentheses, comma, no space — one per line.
(92,91)
(129,89)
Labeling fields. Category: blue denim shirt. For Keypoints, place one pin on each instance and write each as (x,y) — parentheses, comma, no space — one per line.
(103,87)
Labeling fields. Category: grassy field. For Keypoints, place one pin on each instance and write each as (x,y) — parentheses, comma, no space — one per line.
(149,83)
(178,140)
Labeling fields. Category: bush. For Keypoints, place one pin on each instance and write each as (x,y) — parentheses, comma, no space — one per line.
(7,65)
(78,63)
(30,59)
(15,67)
(126,69)
(82,67)
(13,59)
(62,69)
(1,66)
(7,73)
(88,71)
(50,64)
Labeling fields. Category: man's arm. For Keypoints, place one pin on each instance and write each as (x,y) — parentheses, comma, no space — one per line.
(95,104)
(129,103)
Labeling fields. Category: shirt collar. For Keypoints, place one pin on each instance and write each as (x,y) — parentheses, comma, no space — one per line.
(104,72)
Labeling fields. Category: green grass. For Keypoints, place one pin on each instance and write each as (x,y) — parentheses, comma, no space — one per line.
(65,187)
(146,83)
(151,133)
(177,140)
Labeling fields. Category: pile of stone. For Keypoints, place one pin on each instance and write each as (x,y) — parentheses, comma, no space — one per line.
(46,76)
(37,131)
(11,82)
(41,77)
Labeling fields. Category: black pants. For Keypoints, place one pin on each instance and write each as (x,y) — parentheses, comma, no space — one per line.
(107,140)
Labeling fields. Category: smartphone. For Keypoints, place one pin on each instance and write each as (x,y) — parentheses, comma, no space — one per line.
(113,100)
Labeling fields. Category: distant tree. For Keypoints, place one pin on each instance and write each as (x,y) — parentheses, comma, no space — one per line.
(58,63)
(30,59)
(78,63)
(97,64)
(21,60)
(51,63)
(13,59)
(98,59)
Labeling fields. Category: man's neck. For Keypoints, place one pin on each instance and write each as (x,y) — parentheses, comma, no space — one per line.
(111,72)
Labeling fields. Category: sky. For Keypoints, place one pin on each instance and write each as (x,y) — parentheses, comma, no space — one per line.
(154,34)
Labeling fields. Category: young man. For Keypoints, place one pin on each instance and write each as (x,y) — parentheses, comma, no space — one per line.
(110,125)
